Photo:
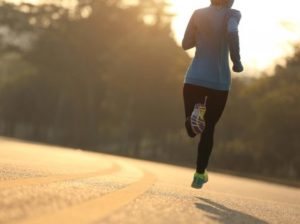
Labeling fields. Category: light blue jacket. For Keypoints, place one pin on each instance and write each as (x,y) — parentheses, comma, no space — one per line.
(208,30)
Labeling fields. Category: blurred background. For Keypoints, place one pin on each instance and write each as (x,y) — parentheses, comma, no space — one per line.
(106,75)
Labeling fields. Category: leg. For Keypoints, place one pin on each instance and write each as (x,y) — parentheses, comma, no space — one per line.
(215,106)
(205,148)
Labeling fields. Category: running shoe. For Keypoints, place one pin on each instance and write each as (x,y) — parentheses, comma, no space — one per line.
(199,180)
(197,118)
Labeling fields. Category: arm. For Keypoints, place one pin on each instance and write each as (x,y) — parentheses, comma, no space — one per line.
(233,40)
(189,40)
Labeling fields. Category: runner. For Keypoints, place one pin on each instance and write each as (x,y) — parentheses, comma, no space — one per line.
(214,32)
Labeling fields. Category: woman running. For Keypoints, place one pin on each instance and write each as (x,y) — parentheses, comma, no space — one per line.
(214,32)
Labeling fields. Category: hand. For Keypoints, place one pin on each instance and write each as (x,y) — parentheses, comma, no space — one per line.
(238,67)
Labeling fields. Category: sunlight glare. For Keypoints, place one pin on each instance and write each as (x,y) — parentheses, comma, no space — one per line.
(268,29)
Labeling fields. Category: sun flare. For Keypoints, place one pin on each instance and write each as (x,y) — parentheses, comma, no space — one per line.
(268,28)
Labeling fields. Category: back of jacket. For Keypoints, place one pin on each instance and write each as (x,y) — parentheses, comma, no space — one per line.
(207,31)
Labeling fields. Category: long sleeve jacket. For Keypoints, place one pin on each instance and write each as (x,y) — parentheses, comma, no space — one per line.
(208,30)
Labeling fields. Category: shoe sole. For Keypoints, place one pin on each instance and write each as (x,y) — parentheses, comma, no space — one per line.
(201,110)
(198,187)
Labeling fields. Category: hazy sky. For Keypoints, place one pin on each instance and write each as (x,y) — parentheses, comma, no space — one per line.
(268,28)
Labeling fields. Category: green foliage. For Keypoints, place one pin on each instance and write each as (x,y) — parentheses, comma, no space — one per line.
(99,78)
(262,123)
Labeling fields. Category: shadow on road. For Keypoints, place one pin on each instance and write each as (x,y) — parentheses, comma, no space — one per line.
(226,215)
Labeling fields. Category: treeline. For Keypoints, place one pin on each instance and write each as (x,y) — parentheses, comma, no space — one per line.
(260,129)
(99,77)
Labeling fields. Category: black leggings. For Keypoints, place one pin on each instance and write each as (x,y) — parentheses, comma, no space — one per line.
(216,101)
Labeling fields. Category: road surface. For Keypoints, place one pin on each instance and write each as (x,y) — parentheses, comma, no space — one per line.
(47,184)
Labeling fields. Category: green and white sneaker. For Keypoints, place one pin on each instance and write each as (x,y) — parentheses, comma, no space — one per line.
(199,180)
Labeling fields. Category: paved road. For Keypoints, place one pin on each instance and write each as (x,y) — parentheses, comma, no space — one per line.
(46,184)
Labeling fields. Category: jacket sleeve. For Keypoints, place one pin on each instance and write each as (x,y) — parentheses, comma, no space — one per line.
(189,40)
(234,18)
